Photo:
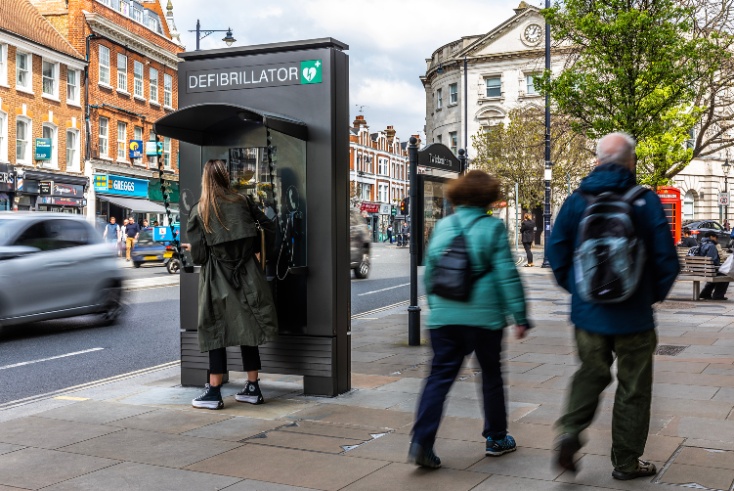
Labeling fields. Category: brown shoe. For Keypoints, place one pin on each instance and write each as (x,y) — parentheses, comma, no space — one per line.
(644,469)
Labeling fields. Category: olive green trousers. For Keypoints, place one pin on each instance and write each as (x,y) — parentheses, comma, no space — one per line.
(631,414)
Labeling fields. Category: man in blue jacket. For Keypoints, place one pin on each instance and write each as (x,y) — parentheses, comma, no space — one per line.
(625,329)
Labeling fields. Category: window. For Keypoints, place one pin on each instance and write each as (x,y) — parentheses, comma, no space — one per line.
(50,72)
(121,140)
(138,82)
(3,137)
(49,131)
(453,93)
(23,74)
(72,150)
(438,139)
(167,90)
(122,72)
(154,85)
(56,234)
(104,142)
(104,65)
(494,87)
(166,152)
(531,84)
(382,166)
(454,139)
(23,141)
(382,190)
(72,85)
(3,64)
(439,98)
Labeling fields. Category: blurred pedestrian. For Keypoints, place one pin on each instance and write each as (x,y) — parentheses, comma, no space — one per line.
(688,240)
(623,330)
(122,245)
(112,232)
(132,230)
(389,233)
(458,328)
(527,231)
(145,223)
(236,307)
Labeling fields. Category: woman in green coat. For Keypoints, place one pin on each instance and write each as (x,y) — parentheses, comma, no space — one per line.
(236,307)
(459,328)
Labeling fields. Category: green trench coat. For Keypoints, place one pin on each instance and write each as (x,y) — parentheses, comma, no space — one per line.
(236,305)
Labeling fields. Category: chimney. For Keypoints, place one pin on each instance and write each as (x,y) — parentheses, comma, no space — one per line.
(359,121)
(390,133)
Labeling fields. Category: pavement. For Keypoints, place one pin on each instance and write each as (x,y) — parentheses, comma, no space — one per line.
(139,432)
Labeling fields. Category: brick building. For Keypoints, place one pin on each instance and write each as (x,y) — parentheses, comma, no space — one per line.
(378,172)
(131,48)
(41,115)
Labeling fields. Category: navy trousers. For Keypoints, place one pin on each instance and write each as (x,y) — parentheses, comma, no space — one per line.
(451,344)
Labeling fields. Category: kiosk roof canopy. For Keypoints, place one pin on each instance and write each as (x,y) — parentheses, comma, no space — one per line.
(205,124)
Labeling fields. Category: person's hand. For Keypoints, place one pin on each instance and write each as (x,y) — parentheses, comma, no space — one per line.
(185,246)
(521,330)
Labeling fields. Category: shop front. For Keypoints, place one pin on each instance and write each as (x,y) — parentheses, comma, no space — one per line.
(7,187)
(45,191)
(123,197)
(371,212)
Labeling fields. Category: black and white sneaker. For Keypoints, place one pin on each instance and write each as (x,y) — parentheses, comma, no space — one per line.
(210,399)
(251,394)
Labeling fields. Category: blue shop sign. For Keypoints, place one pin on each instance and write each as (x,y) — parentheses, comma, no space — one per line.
(136,149)
(120,186)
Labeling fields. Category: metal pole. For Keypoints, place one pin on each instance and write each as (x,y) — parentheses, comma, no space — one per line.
(414,311)
(462,160)
(548,165)
(517,216)
(198,34)
(466,112)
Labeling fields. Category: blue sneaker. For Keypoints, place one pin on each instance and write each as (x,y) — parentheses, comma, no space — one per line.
(495,448)
(423,457)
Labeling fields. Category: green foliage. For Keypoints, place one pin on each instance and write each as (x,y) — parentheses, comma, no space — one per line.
(634,67)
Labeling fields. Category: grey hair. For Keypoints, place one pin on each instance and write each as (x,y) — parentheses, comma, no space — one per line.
(608,152)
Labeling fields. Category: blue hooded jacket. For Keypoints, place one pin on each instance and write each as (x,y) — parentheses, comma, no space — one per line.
(661,268)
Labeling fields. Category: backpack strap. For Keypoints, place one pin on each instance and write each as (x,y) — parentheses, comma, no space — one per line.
(633,193)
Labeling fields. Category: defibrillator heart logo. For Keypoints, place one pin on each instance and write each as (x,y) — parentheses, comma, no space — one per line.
(309,73)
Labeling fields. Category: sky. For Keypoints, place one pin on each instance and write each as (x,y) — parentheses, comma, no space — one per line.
(388,40)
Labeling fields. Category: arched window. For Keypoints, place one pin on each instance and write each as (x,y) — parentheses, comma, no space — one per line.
(689,205)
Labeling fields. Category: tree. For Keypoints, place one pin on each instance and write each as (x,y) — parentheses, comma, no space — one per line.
(515,153)
(633,66)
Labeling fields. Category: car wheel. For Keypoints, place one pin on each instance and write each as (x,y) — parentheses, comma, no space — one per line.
(362,271)
(112,305)
(136,264)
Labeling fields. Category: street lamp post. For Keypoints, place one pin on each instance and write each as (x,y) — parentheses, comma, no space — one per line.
(726,167)
(548,172)
(199,36)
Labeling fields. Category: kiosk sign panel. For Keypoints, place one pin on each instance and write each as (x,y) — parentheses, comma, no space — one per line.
(438,156)
(301,72)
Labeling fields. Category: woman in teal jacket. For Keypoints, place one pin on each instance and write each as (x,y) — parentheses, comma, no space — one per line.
(459,328)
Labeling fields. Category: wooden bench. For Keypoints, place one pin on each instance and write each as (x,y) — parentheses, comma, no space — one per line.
(698,269)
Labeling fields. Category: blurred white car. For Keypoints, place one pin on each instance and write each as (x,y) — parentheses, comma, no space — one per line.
(55,265)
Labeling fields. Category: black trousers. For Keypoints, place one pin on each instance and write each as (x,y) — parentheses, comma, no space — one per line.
(528,251)
(218,360)
(715,290)
(450,345)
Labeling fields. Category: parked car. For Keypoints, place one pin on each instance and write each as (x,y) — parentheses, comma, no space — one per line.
(149,248)
(55,265)
(359,240)
(699,228)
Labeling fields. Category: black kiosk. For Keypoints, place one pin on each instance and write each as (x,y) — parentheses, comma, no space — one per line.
(278,114)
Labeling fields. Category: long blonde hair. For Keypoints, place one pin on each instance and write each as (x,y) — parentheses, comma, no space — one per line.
(215,188)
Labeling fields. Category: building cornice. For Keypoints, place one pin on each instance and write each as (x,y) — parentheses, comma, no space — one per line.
(104,27)
(42,51)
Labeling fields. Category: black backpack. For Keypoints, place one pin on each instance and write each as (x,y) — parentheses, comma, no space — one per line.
(610,254)
(453,276)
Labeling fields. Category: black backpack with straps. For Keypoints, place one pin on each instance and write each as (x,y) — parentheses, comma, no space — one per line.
(453,276)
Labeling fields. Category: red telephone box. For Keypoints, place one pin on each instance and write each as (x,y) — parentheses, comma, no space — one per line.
(670,198)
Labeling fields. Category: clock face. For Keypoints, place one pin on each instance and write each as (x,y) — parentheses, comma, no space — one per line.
(533,33)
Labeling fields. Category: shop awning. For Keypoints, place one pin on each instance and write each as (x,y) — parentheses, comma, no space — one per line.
(208,124)
(133,204)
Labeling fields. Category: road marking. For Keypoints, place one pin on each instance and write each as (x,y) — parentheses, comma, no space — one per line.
(383,289)
(24,363)
(70,398)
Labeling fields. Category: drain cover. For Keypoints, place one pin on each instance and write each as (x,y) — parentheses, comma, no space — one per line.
(669,350)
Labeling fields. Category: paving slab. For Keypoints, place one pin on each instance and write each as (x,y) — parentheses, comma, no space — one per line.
(170,421)
(9,488)
(690,427)
(236,429)
(34,468)
(333,430)
(407,477)
(708,478)
(525,462)
(497,482)
(299,441)
(139,477)
(7,448)
(49,433)
(297,467)
(147,447)
(94,412)
(596,471)
(704,457)
(253,485)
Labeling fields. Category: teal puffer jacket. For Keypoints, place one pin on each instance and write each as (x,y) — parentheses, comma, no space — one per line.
(496,295)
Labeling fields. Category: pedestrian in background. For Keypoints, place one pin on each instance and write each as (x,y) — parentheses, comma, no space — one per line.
(145,223)
(111,232)
(624,330)
(459,328)
(132,230)
(236,307)
(389,233)
(122,245)
(688,240)
(710,248)
(527,231)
